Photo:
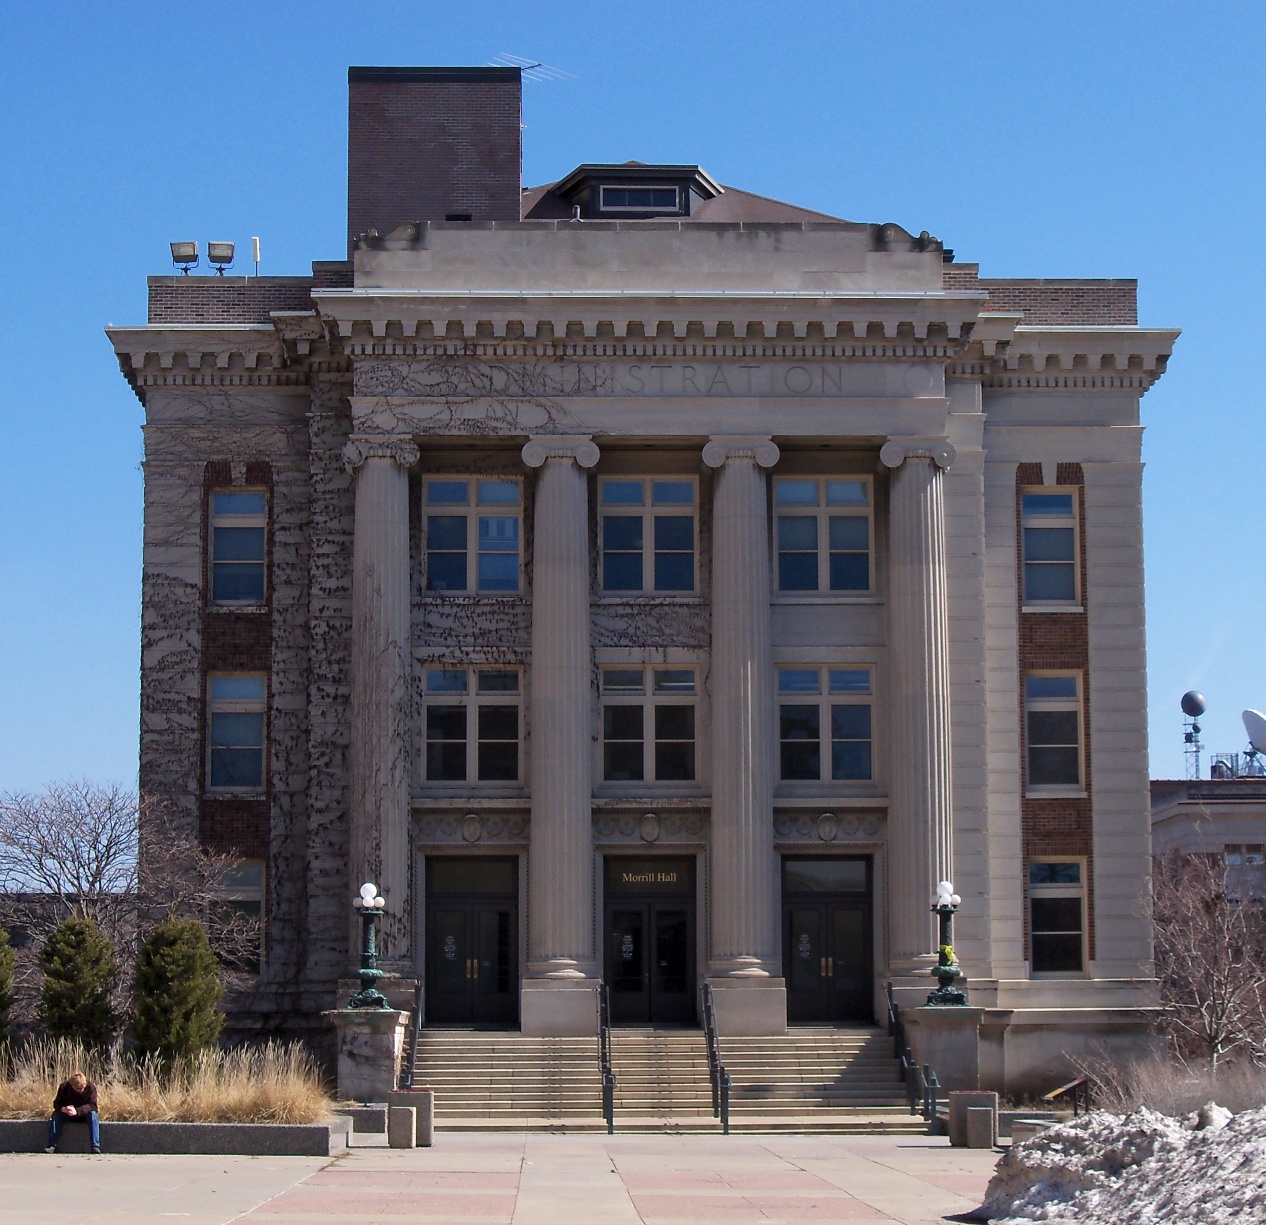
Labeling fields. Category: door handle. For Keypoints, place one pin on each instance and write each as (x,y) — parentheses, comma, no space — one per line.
(471,968)
(830,967)
(821,967)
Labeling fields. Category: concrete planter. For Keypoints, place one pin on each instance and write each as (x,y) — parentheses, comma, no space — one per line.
(220,1139)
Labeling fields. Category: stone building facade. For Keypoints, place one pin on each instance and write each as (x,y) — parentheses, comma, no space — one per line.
(661,583)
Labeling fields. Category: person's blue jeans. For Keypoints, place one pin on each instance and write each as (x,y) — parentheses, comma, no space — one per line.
(58,1120)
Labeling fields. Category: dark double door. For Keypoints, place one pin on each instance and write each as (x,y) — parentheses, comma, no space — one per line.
(472,941)
(649,961)
(827,940)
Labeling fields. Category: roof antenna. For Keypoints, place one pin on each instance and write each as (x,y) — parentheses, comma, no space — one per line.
(533,70)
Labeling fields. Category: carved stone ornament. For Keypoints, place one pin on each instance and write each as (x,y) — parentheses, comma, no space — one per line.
(650,827)
(403,450)
(828,827)
(896,451)
(237,470)
(470,828)
(722,447)
(580,447)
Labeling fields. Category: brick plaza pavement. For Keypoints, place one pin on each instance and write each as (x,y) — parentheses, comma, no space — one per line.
(507,1179)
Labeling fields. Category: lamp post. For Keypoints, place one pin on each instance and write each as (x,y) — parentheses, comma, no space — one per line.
(947,969)
(370,905)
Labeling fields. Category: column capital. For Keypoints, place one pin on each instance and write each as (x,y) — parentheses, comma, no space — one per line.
(897,450)
(580,447)
(723,447)
(361,447)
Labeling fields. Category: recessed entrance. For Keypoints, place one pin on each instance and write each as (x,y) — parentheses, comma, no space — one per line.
(472,941)
(650,939)
(826,906)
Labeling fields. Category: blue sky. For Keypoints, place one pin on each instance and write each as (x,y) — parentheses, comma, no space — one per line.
(1060,139)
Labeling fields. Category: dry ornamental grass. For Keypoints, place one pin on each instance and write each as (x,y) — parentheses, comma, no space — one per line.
(274,1083)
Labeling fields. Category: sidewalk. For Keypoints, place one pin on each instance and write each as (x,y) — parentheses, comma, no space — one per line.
(479,1179)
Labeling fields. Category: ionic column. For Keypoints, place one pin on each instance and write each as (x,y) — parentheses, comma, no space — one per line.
(920,847)
(560,850)
(380,679)
(744,886)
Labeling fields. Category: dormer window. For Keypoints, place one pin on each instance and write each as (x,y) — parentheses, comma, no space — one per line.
(640,199)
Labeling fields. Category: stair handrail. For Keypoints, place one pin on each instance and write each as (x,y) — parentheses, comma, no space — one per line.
(605,1069)
(1078,1090)
(717,1073)
(410,1068)
(896,1027)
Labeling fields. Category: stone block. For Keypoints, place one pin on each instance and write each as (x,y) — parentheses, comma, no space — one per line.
(366,1120)
(370,1048)
(423,1102)
(402,1126)
(559,1009)
(1026,1129)
(750,1008)
(962,1101)
(980,1127)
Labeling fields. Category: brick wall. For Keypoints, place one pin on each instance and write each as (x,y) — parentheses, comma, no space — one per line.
(226,299)
(423,143)
(1101,303)
(234,641)
(1056,641)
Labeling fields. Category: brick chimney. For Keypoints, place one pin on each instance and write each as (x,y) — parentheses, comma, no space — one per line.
(432,144)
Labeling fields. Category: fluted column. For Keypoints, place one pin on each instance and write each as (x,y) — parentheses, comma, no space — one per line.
(920,848)
(380,724)
(744,887)
(560,852)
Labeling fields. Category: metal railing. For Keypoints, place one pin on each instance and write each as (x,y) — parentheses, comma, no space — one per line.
(604,1057)
(1078,1090)
(407,1072)
(716,1068)
(923,1089)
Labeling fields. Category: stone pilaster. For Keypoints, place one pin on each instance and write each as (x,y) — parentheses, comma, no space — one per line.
(380,680)
(560,850)
(920,847)
(746,927)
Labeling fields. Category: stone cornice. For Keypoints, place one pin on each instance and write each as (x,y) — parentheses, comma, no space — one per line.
(1073,358)
(613,323)
(212,355)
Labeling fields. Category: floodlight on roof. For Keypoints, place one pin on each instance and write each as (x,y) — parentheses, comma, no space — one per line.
(220,254)
(184,255)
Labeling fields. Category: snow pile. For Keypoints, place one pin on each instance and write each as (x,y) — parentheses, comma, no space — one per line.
(1137,1168)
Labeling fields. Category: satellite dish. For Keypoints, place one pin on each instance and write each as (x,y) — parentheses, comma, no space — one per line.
(1194,705)
(1255,725)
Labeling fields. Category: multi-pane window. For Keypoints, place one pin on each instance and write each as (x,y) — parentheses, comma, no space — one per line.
(648,724)
(239,930)
(648,535)
(235,732)
(642,199)
(1048,526)
(239,530)
(822,530)
(472,725)
(1052,715)
(472,534)
(824,724)
(1056,916)
(1245,871)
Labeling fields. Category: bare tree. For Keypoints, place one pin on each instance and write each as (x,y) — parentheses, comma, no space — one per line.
(90,850)
(1210,959)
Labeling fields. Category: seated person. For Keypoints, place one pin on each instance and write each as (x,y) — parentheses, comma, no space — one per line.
(76,1102)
